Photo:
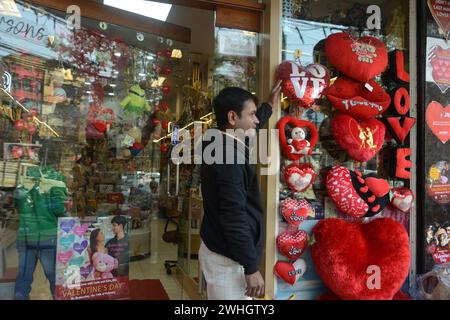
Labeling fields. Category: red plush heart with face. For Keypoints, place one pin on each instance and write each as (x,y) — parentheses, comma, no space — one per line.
(299,177)
(297,145)
(295,211)
(303,85)
(360,139)
(361,59)
(292,244)
(353,98)
(361,261)
(402,199)
(290,272)
(357,195)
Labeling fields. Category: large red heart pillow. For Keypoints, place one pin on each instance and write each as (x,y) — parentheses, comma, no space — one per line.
(361,59)
(353,98)
(299,177)
(292,244)
(303,85)
(361,261)
(295,211)
(360,139)
(355,194)
(290,272)
(297,145)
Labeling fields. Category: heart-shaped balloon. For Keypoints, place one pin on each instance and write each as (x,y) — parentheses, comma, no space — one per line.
(299,177)
(440,64)
(290,272)
(357,195)
(295,211)
(354,98)
(361,261)
(360,139)
(292,244)
(64,257)
(402,198)
(303,85)
(361,59)
(438,119)
(439,10)
(296,146)
(79,247)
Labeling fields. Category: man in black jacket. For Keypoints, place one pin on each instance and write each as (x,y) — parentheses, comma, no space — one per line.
(232,229)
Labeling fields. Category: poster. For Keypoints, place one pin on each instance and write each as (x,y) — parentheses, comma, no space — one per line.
(92,259)
(236,43)
(438,242)
(438,120)
(438,63)
(438,184)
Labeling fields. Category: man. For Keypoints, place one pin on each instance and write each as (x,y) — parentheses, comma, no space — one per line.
(118,247)
(232,230)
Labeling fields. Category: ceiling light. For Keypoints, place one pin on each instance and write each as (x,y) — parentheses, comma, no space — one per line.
(176,53)
(112,85)
(117,54)
(151,9)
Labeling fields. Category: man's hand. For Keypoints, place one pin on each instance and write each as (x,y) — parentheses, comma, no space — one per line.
(255,285)
(274,95)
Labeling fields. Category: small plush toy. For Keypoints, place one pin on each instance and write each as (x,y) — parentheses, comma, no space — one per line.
(298,144)
(135,101)
(104,264)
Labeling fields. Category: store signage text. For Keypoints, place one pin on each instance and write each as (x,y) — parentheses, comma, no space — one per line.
(20,27)
(7,80)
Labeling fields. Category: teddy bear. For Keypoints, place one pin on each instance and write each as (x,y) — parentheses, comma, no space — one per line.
(104,264)
(135,101)
(298,144)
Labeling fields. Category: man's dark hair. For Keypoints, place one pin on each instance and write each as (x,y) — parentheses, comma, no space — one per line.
(230,99)
(119,220)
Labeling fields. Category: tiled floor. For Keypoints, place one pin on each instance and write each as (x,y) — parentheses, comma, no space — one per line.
(149,268)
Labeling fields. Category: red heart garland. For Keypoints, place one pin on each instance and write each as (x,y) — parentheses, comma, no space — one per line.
(295,211)
(349,257)
(292,244)
(361,59)
(303,85)
(402,199)
(289,150)
(299,177)
(352,97)
(290,272)
(360,139)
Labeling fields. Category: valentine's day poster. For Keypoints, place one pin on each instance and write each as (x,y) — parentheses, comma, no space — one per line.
(438,242)
(438,120)
(440,10)
(438,63)
(438,184)
(92,258)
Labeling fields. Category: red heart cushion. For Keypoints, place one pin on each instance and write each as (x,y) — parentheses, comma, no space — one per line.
(295,211)
(299,177)
(353,98)
(361,59)
(402,198)
(345,255)
(331,296)
(303,85)
(292,244)
(360,139)
(290,272)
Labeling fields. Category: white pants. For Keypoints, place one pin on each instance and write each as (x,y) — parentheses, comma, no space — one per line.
(225,279)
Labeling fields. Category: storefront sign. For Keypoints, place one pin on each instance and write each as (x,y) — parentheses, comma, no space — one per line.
(440,9)
(438,186)
(85,270)
(236,43)
(438,120)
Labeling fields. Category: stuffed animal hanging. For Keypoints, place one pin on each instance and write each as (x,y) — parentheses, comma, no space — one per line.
(297,146)
(135,101)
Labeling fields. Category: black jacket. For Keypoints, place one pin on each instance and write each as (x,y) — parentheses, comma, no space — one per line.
(233,222)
